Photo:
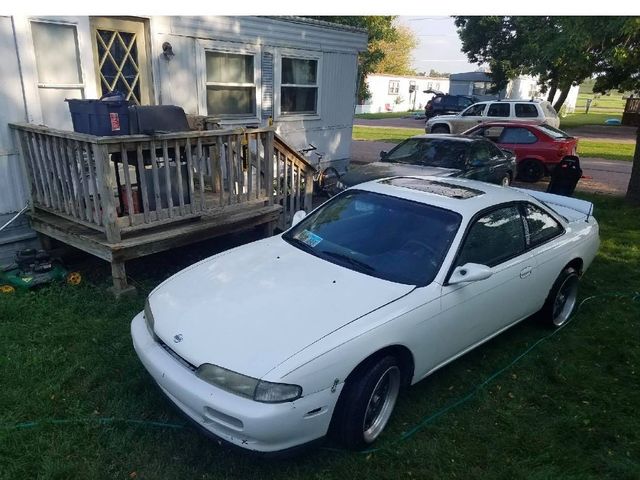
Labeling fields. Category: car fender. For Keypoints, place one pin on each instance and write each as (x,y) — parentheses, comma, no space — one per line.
(333,358)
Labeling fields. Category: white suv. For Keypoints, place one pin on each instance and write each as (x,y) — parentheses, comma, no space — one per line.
(530,111)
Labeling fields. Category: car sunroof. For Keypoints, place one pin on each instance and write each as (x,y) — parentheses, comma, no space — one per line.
(437,188)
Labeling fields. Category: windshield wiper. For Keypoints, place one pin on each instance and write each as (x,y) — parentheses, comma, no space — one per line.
(354,262)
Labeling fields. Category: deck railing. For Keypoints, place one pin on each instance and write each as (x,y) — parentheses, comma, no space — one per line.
(123,184)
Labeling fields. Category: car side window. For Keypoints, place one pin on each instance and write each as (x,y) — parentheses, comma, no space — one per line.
(494,238)
(517,135)
(480,153)
(499,110)
(474,110)
(495,151)
(464,102)
(526,110)
(541,225)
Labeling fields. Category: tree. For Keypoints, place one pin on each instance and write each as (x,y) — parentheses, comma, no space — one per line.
(379,28)
(558,50)
(435,73)
(397,53)
(618,64)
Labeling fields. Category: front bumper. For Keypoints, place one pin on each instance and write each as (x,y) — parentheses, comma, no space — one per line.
(240,421)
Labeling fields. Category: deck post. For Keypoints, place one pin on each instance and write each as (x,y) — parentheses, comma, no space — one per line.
(268,156)
(120,285)
(106,188)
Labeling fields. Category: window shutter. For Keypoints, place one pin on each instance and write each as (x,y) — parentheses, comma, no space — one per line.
(267,85)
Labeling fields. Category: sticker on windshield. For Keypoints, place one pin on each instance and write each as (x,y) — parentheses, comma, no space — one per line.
(309,238)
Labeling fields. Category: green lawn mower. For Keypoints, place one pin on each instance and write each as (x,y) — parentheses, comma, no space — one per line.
(32,268)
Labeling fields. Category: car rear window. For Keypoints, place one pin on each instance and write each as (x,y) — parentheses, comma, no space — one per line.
(526,110)
(379,235)
(429,152)
(548,110)
(553,132)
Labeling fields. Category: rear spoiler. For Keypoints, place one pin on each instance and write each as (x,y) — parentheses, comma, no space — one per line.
(551,199)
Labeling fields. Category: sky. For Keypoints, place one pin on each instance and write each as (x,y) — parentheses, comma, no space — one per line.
(439,45)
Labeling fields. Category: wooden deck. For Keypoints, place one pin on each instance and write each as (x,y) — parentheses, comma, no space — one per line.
(124,197)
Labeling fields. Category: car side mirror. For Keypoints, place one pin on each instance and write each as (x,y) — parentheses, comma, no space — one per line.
(470,272)
(297,217)
(383,154)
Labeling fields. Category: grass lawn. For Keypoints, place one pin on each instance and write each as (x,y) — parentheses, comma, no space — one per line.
(608,150)
(582,119)
(384,134)
(568,409)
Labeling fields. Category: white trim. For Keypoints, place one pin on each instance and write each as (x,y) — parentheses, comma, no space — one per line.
(279,53)
(204,46)
(27,59)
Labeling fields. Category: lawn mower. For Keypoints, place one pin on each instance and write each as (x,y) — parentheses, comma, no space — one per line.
(32,268)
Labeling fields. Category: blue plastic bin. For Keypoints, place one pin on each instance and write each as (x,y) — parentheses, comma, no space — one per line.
(100,117)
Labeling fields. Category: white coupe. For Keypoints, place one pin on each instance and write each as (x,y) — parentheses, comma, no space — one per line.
(274,344)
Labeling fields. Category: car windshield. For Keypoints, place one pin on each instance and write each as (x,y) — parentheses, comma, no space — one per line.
(379,235)
(429,152)
(553,132)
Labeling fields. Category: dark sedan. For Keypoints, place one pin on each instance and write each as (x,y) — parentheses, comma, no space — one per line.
(440,155)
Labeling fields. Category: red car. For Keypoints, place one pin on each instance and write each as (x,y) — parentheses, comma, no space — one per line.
(538,147)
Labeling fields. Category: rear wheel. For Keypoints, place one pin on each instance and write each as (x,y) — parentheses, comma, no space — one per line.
(440,129)
(562,298)
(531,170)
(366,403)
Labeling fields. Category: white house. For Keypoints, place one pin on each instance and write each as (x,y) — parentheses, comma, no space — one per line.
(397,93)
(300,74)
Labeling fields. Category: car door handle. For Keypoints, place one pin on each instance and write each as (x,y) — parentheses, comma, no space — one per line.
(525,272)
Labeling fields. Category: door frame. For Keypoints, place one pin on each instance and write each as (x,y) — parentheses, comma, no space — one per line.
(139,26)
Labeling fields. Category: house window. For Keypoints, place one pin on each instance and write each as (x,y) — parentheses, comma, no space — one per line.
(394,87)
(58,69)
(231,87)
(299,86)
(481,88)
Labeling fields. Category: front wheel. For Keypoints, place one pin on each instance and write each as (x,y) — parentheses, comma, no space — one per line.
(366,403)
(440,129)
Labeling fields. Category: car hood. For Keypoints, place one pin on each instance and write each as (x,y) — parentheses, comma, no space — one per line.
(253,307)
(375,170)
(442,117)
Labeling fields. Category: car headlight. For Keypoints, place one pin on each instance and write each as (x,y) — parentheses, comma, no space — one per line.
(258,390)
(148,318)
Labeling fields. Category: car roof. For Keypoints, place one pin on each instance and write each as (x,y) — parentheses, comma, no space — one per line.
(447,136)
(507,124)
(444,192)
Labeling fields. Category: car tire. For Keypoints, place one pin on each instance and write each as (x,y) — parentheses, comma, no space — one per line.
(505,181)
(562,298)
(531,170)
(440,129)
(366,403)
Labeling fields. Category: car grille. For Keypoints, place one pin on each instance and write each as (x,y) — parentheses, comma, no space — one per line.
(181,360)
